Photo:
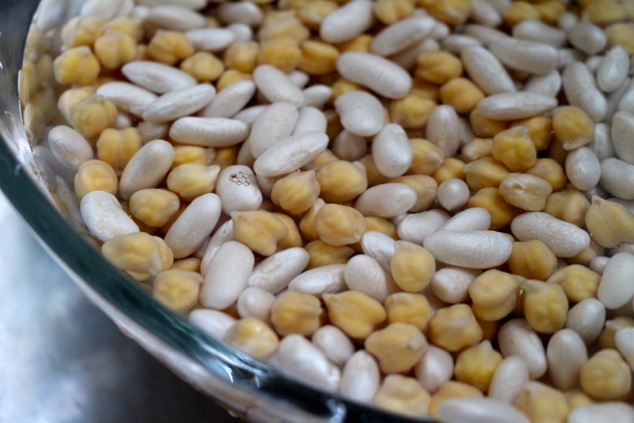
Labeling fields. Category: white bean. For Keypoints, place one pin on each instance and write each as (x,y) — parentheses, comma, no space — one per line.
(316,96)
(486,71)
(310,119)
(617,178)
(484,13)
(380,75)
(386,200)
(485,34)
(360,113)
(472,219)
(364,274)
(189,4)
(566,354)
(473,250)
(451,284)
(274,124)
(334,344)
(127,97)
(616,287)
(250,114)
(194,225)
(210,39)
(515,105)
(255,302)
(274,273)
(392,151)
(622,130)
(103,216)
(299,78)
(456,43)
(613,69)
(548,84)
(156,77)
(223,234)
(324,279)
(290,154)
(613,412)
(230,100)
(598,264)
(581,91)
(179,103)
(583,169)
(276,86)
(149,131)
(240,12)
(624,340)
(175,17)
(241,32)
(587,37)
(479,410)
(416,227)
(380,247)
(443,129)
(567,20)
(232,263)
(564,239)
(434,368)
(525,56)
(538,31)
(69,147)
(453,194)
(407,59)
(509,379)
(401,35)
(360,378)
(601,143)
(626,100)
(348,146)
(213,322)
(208,132)
(516,337)
(347,22)
(587,318)
(238,190)
(146,168)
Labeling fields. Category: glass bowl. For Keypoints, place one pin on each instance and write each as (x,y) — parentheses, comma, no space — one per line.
(248,388)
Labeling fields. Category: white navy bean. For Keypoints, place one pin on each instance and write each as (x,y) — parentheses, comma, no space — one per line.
(310,119)
(240,12)
(566,353)
(386,200)
(486,71)
(348,21)
(473,250)
(416,227)
(613,69)
(587,318)
(146,168)
(290,154)
(212,322)
(361,378)
(127,97)
(299,78)
(208,132)
(613,412)
(443,129)
(570,55)
(176,18)
(124,121)
(581,91)
(189,4)
(567,20)
(321,280)
(434,368)
(466,133)
(616,288)
(360,113)
(484,34)
(334,344)
(364,274)
(407,59)
(241,32)
(255,302)
(237,188)
(456,43)
(69,147)
(626,99)
(593,63)
(624,340)
(316,96)
(273,125)
(538,31)
(227,275)
(439,31)
(564,239)
(622,130)
(509,379)
(274,273)
(516,337)
(210,39)
(525,56)
(276,86)
(453,194)
(451,284)
(587,37)
(601,143)
(479,410)
(515,105)
(230,100)
(380,75)
(548,84)
(106,10)
(617,178)
(598,263)
(179,103)
(380,247)
(221,235)
(484,13)
(103,216)
(49,15)
(583,169)
(156,77)
(149,131)
(471,219)
(401,35)
(392,151)
(348,146)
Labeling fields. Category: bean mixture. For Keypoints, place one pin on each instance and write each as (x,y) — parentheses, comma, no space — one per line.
(426,205)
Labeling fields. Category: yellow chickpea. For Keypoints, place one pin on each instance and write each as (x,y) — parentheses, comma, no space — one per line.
(203,66)
(259,230)
(406,307)
(294,312)
(403,395)
(339,225)
(494,295)
(191,180)
(476,365)
(92,115)
(514,148)
(242,56)
(411,111)
(550,171)
(484,173)
(606,376)
(307,221)
(296,192)
(130,26)
(549,11)
(114,49)
(569,205)
(192,154)
(412,266)
(541,403)
(391,11)
(116,147)
(476,149)
(438,67)
(283,53)
(452,12)
(502,214)
(397,348)
(81,31)
(485,127)
(154,206)
(454,328)
(450,168)
(462,94)
(312,13)
(354,313)
(573,128)
(341,181)
(578,282)
(621,34)
(425,187)
(95,175)
(545,306)
(604,12)
(318,58)
(322,254)
(293,239)
(77,65)
(609,222)
(177,289)
(518,12)
(254,337)
(359,43)
(532,260)
(283,26)
(540,130)
(231,76)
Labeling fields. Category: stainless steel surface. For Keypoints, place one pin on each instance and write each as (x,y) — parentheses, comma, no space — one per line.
(63,360)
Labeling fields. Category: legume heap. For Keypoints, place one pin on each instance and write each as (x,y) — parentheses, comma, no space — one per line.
(421,204)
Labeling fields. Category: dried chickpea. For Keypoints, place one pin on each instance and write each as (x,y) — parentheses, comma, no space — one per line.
(397,348)
(476,365)
(577,398)
(312,13)
(130,26)
(294,312)
(153,206)
(177,289)
(116,147)
(226,156)
(95,175)
(242,56)
(254,337)
(532,260)
(450,168)
(191,264)
(136,252)
(572,127)
(341,180)
(81,31)
(318,58)
(518,12)
(604,12)
(578,282)
(427,157)
(192,154)
(476,149)
(404,395)
(586,256)
(322,254)
(462,94)
(411,111)
(514,149)
(525,191)
(339,225)
(485,127)
(342,86)
(438,67)
(283,25)
(391,11)
(307,222)
(259,230)
(545,306)
(606,376)
(494,295)
(412,266)
(283,53)
(550,171)
(549,11)
(452,12)
(77,65)
(609,222)
(191,180)
(484,173)
(231,76)
(502,214)
(354,313)
(379,224)
(454,328)
(540,131)
(114,49)
(72,96)
(322,159)
(293,239)
(425,187)
(621,34)
(92,115)
(569,205)
(606,338)
(451,389)
(406,307)
(203,66)
(296,192)
(359,43)
(541,403)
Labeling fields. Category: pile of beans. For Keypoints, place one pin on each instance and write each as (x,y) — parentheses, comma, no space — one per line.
(421,204)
